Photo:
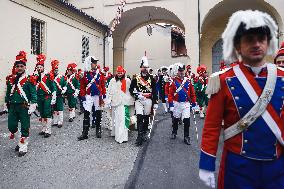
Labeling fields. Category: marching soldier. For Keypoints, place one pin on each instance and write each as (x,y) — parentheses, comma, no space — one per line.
(181,96)
(248,98)
(93,93)
(279,58)
(80,75)
(108,75)
(60,84)
(73,89)
(161,85)
(143,89)
(46,95)
(200,88)
(21,99)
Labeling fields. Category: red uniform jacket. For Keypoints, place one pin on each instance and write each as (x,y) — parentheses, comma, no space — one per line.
(230,104)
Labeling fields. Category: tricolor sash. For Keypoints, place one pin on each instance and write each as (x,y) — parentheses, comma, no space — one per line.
(144,83)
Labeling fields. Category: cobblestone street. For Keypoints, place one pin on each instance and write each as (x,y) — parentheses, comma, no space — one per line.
(62,162)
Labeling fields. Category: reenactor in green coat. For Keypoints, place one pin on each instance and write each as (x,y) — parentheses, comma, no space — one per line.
(61,87)
(46,95)
(21,99)
(73,88)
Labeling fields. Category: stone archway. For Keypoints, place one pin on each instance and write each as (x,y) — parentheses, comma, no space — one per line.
(216,19)
(136,18)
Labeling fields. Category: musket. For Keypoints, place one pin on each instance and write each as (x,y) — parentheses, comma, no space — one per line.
(36,114)
(152,122)
(195,125)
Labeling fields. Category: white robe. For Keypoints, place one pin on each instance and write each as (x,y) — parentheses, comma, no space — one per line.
(117,100)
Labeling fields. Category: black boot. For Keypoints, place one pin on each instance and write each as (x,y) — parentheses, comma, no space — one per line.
(139,139)
(186,122)
(86,126)
(17,148)
(187,140)
(175,127)
(21,154)
(145,127)
(98,123)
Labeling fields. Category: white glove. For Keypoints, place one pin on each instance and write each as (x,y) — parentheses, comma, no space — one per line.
(141,97)
(155,107)
(64,89)
(171,109)
(207,177)
(5,108)
(53,100)
(76,93)
(32,108)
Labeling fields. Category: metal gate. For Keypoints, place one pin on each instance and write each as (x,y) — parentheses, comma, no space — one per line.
(217,55)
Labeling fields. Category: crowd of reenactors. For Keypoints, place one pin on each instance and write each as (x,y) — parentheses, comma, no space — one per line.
(116,102)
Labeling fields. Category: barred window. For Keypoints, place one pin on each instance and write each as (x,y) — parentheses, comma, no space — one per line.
(85,47)
(37,36)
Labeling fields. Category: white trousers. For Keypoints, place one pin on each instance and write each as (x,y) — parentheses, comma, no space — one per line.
(58,117)
(181,110)
(90,102)
(143,107)
(46,125)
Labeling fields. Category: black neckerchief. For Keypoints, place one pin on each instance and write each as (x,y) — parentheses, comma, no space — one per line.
(18,76)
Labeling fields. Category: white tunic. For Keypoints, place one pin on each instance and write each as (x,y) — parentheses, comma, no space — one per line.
(118,100)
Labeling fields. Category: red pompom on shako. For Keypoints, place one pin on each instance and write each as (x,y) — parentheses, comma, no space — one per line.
(21,58)
(40,59)
(54,64)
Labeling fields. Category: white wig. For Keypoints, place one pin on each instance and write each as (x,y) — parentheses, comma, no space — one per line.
(88,61)
(176,68)
(251,19)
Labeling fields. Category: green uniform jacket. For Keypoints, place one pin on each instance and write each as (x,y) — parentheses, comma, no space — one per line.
(72,83)
(13,93)
(48,79)
(59,80)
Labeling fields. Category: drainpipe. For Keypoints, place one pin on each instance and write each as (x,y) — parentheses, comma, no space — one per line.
(199,42)
(104,50)
(104,46)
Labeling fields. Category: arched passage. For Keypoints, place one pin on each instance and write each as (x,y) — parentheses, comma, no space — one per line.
(215,22)
(135,18)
